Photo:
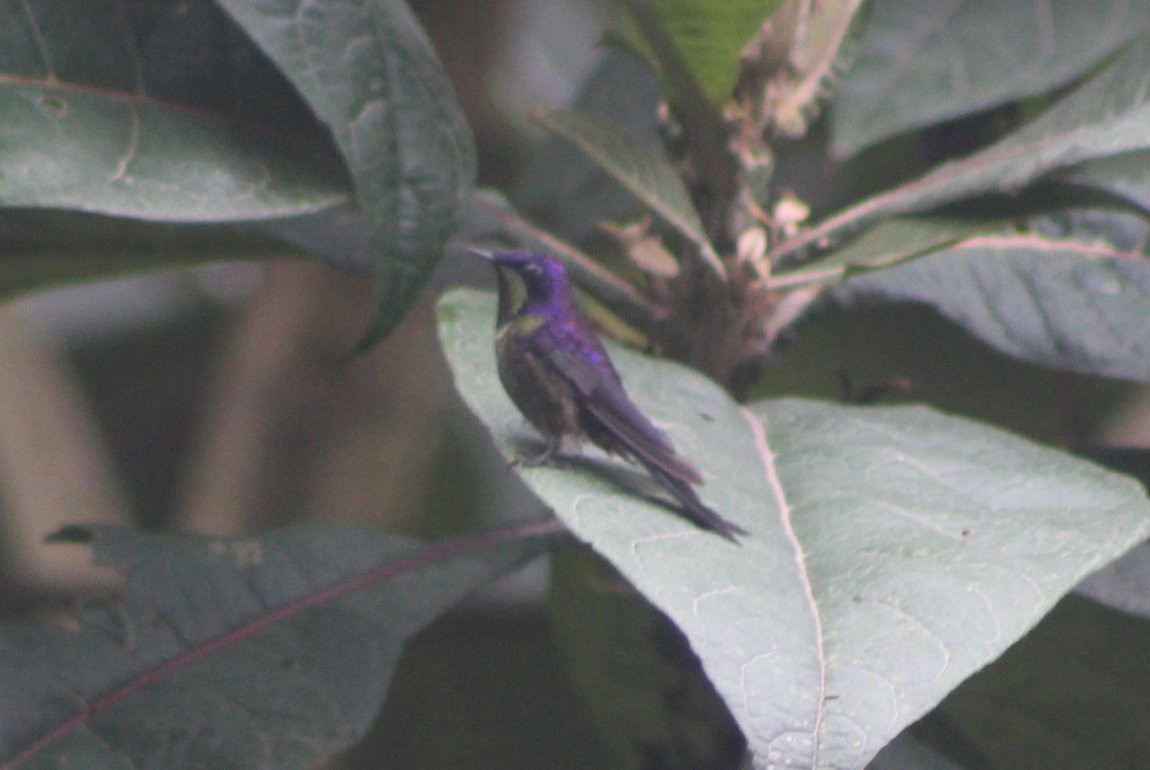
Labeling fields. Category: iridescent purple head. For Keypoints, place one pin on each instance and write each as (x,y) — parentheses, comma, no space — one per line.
(543,275)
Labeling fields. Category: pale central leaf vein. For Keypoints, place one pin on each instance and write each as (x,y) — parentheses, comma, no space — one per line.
(770,469)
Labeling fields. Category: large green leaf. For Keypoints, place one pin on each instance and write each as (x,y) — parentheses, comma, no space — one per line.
(921,63)
(1056,302)
(262,652)
(1106,116)
(155,110)
(893,551)
(369,72)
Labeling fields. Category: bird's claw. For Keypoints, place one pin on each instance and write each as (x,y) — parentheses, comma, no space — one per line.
(546,457)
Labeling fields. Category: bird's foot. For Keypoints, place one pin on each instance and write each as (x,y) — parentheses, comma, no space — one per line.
(546,457)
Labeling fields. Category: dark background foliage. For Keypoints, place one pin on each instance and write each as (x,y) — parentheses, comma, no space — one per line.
(249,389)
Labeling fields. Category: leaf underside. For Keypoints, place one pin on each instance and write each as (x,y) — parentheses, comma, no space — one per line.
(922,63)
(263,652)
(1055,302)
(155,111)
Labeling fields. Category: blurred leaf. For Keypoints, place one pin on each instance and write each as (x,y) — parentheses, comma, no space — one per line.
(908,753)
(561,188)
(639,168)
(893,551)
(1127,175)
(1051,301)
(711,36)
(1071,694)
(154,110)
(370,74)
(1106,116)
(799,50)
(261,652)
(639,678)
(700,120)
(922,63)
(43,248)
(336,236)
(888,243)
(482,689)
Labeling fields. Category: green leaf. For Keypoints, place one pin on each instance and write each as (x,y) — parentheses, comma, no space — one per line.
(1055,302)
(1072,694)
(260,652)
(922,63)
(711,36)
(1106,116)
(152,110)
(639,168)
(370,74)
(893,551)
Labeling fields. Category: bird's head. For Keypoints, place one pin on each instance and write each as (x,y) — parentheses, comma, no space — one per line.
(543,276)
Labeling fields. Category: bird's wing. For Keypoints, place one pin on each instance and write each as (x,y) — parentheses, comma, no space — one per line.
(696,509)
(612,407)
(605,399)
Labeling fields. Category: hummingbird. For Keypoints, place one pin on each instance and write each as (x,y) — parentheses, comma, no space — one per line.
(557,373)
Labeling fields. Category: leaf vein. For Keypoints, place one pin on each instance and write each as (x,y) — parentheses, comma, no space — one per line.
(768,458)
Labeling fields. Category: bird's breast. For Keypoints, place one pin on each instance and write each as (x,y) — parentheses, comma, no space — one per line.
(544,397)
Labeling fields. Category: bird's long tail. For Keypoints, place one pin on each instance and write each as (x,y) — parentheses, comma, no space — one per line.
(696,509)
